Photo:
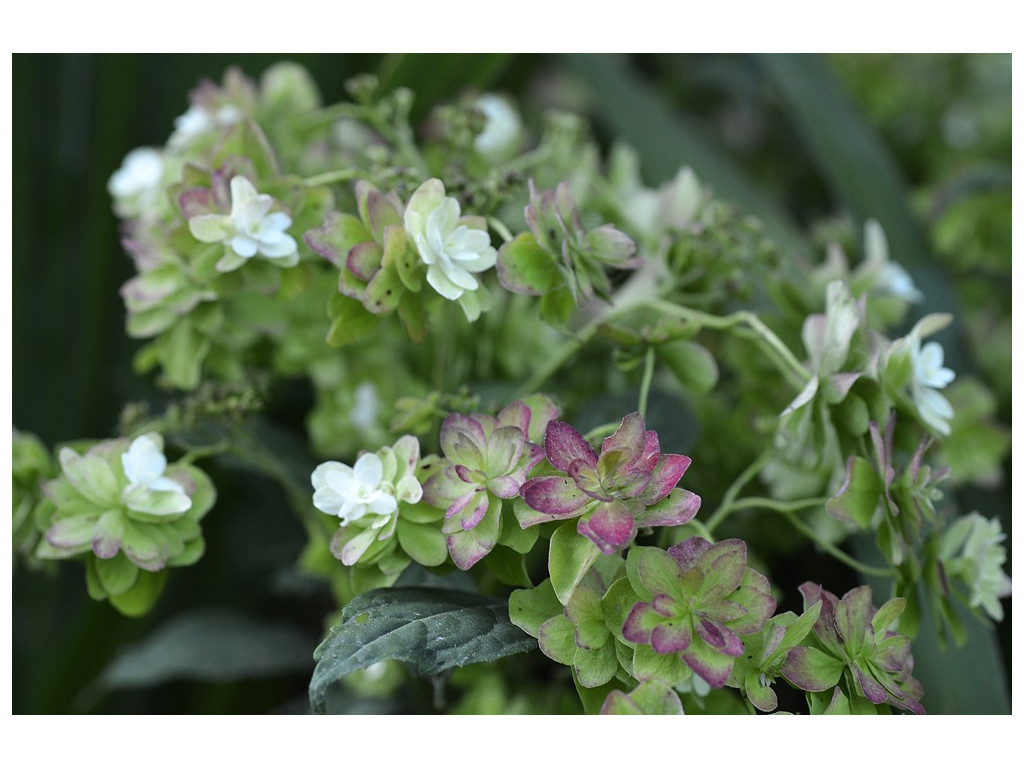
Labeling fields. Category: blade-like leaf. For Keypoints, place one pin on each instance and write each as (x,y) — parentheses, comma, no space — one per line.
(432,629)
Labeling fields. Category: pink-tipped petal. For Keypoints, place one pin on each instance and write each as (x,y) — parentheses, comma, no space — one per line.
(672,636)
(611,527)
(665,476)
(678,508)
(564,445)
(557,496)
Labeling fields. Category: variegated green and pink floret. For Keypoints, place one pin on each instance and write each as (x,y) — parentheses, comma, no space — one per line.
(629,486)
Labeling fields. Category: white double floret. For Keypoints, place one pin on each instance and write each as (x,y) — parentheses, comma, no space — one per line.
(453,251)
(144,465)
(361,491)
(250,229)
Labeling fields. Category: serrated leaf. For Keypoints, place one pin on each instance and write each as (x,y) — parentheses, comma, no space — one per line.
(432,629)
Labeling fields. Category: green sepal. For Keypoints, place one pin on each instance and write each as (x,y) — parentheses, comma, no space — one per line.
(117,575)
(245,139)
(651,572)
(190,554)
(529,608)
(668,668)
(832,702)
(412,311)
(524,267)
(508,567)
(693,366)
(556,307)
(595,667)
(649,698)
(383,292)
(569,558)
(350,321)
(138,600)
(858,498)
(516,537)
(399,255)
(616,605)
(557,638)
(593,699)
(424,543)
(421,512)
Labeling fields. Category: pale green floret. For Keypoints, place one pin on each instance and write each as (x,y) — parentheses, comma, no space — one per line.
(972,551)
(250,230)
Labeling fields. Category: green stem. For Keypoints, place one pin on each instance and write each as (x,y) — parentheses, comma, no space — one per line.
(645,382)
(602,430)
(760,502)
(726,506)
(833,550)
(330,177)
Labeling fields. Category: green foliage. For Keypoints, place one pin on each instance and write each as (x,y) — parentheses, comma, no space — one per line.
(432,629)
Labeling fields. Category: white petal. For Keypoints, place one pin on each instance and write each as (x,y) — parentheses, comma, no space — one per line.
(244,246)
(278,220)
(440,282)
(211,227)
(444,218)
(144,460)
(242,193)
(278,247)
(461,277)
(383,505)
(368,471)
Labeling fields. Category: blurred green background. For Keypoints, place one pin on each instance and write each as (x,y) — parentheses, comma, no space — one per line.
(920,142)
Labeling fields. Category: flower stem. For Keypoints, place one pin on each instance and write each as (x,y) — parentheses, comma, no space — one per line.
(645,383)
(342,174)
(835,551)
(726,506)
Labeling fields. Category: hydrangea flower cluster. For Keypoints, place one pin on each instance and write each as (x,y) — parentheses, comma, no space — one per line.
(270,232)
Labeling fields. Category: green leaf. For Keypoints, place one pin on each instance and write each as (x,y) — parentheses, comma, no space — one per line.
(693,366)
(432,629)
(212,645)
(569,558)
(349,320)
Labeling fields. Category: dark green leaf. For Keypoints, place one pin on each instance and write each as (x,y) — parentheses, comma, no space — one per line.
(432,629)
(212,645)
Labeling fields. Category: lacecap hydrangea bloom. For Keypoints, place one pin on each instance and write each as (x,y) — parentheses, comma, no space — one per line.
(250,229)
(454,248)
